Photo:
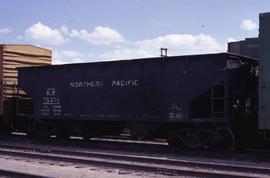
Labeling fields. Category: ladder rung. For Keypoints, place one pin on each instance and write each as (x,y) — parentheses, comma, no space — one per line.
(218,112)
(217,98)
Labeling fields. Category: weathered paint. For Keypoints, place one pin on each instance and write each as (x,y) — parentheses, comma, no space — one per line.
(151,89)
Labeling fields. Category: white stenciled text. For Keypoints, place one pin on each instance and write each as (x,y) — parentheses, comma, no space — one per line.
(125,83)
(86,84)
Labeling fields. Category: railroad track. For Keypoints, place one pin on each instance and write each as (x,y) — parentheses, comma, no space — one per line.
(257,155)
(160,165)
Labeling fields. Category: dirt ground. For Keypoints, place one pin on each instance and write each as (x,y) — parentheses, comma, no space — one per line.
(68,170)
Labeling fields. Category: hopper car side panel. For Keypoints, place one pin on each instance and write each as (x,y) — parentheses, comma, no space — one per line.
(139,90)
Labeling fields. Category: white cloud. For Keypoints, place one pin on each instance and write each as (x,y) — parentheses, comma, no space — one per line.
(248,25)
(68,56)
(177,44)
(181,44)
(5,30)
(127,53)
(43,34)
(57,62)
(56,57)
(71,54)
(100,36)
(64,30)
(231,39)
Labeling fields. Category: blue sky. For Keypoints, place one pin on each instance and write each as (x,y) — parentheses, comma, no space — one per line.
(93,30)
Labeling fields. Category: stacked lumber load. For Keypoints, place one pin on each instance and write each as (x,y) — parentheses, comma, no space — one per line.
(13,56)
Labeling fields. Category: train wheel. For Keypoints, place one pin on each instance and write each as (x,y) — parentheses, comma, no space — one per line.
(39,130)
(86,134)
(89,130)
(227,141)
(174,141)
(192,139)
(142,131)
(230,139)
(62,133)
(31,132)
(5,129)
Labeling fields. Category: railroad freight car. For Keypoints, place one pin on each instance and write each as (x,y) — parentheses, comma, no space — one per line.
(11,57)
(264,84)
(247,47)
(193,101)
